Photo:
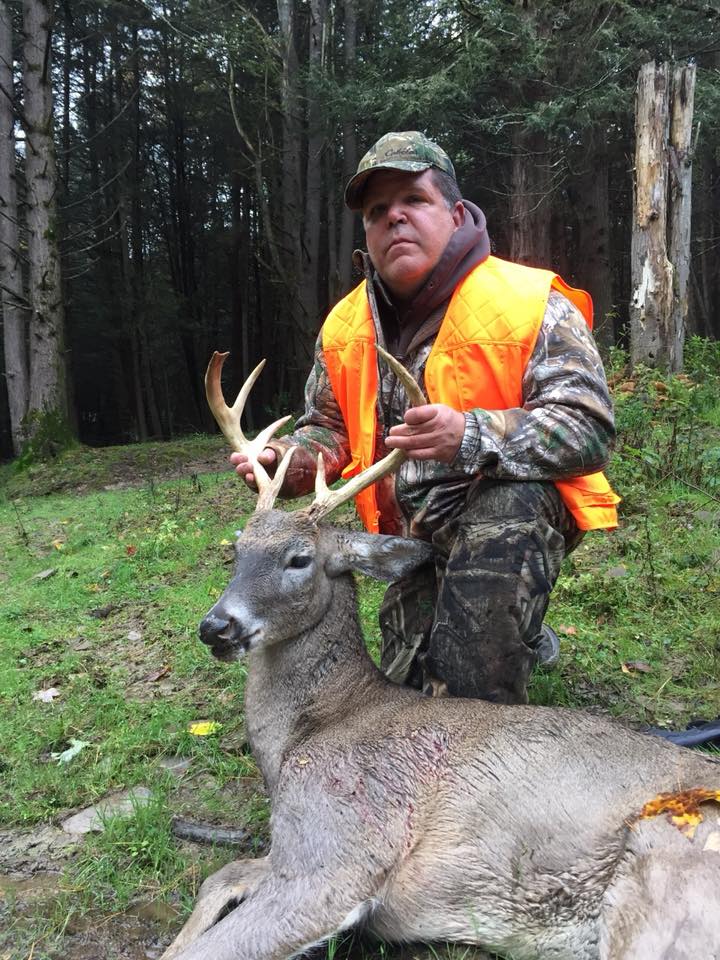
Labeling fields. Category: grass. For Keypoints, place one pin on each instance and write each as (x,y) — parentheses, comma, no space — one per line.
(109,558)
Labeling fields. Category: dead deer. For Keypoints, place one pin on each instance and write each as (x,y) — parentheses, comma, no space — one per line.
(533,832)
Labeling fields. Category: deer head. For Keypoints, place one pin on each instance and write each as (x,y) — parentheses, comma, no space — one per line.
(286,563)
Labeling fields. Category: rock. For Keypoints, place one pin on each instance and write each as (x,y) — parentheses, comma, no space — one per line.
(91,819)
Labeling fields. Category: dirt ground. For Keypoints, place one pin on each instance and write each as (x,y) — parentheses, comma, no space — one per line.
(31,864)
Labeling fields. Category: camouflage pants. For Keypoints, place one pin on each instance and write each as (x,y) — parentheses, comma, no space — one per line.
(465,625)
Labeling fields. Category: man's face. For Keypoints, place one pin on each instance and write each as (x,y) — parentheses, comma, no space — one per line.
(407,226)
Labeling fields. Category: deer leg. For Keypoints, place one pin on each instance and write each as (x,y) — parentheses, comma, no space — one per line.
(218,895)
(283,917)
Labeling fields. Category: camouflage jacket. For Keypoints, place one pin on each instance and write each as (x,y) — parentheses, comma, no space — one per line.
(564,428)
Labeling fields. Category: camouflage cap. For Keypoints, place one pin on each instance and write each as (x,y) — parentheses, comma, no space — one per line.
(409,150)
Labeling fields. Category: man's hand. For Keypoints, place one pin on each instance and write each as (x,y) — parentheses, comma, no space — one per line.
(243,467)
(430,432)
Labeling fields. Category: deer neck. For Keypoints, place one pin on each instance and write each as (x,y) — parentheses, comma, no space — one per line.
(297,686)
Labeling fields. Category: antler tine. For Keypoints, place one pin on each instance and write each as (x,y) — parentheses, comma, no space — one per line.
(326,501)
(267,494)
(322,491)
(415,394)
(228,419)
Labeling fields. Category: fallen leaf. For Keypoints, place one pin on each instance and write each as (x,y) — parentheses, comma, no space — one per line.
(130,550)
(80,643)
(58,544)
(72,751)
(46,696)
(225,542)
(682,809)
(202,728)
(660,386)
(101,612)
(569,631)
(627,387)
(158,674)
(636,666)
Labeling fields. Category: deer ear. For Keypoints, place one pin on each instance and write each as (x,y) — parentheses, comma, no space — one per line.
(377,555)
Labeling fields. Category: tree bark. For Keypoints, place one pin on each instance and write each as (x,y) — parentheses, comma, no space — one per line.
(592,255)
(651,337)
(529,201)
(349,155)
(47,334)
(310,262)
(14,308)
(680,154)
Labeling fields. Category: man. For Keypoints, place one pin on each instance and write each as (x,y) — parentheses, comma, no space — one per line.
(503,459)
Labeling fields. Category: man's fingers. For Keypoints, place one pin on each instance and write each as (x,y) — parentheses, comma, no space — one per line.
(414,441)
(418,415)
(267,457)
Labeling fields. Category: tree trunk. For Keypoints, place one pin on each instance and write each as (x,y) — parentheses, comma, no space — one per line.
(529,201)
(651,337)
(299,206)
(48,397)
(593,249)
(136,178)
(350,154)
(310,263)
(680,153)
(11,293)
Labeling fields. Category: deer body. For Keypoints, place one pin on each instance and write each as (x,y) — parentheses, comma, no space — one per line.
(515,828)
(520,829)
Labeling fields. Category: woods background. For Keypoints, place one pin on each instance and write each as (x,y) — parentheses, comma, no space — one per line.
(202,147)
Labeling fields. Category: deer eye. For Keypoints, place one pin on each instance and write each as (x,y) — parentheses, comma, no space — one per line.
(299,560)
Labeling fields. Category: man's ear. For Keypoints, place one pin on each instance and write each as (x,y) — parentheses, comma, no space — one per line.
(378,556)
(458,214)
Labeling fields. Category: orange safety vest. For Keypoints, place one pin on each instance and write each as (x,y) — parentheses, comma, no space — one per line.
(478,360)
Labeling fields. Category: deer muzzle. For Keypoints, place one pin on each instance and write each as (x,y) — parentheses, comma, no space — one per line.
(227,639)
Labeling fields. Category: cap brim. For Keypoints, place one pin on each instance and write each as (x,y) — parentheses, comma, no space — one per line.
(356,186)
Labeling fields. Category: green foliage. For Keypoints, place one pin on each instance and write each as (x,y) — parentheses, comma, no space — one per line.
(47,434)
(668,425)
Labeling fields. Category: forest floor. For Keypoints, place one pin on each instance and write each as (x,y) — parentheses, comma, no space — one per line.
(110,557)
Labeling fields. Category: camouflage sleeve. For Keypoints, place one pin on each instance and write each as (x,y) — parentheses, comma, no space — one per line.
(321,429)
(565,427)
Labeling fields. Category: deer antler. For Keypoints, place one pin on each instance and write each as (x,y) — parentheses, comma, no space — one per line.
(228,419)
(325,500)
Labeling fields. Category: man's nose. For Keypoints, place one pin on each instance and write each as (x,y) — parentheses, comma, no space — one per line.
(396,214)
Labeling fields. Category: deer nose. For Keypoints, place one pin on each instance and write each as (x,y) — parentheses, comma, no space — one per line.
(211,627)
